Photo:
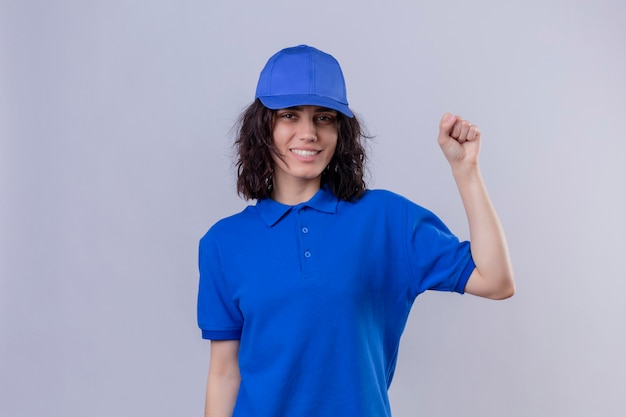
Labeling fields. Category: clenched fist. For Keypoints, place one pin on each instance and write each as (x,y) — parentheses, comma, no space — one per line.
(459,140)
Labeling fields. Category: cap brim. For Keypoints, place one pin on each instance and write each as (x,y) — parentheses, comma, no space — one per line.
(286,101)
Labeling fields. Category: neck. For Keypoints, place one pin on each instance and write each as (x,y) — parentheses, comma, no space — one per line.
(293,194)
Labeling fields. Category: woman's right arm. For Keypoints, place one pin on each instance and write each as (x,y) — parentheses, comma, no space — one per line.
(223,382)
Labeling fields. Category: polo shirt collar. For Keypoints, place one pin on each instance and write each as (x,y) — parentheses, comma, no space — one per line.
(272,211)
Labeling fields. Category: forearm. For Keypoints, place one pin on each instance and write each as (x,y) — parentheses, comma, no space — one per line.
(224,378)
(221,394)
(488,243)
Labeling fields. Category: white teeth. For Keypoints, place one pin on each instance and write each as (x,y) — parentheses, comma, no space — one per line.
(302,152)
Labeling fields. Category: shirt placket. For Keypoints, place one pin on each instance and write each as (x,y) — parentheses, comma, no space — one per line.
(307,249)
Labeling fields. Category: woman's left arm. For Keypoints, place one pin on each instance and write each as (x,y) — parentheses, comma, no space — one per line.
(493,276)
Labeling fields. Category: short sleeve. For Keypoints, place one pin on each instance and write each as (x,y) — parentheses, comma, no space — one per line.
(439,261)
(219,316)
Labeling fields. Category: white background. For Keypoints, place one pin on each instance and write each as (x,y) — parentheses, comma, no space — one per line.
(115,158)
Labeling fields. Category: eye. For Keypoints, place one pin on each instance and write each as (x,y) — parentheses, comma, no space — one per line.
(325,118)
(286,115)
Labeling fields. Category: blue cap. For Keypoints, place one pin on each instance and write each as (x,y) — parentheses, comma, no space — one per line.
(300,76)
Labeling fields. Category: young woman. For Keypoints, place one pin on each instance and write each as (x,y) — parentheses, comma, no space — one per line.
(305,295)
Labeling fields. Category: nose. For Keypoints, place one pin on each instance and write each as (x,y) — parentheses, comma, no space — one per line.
(307,131)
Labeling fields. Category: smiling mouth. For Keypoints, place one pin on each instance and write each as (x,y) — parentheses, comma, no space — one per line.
(302,152)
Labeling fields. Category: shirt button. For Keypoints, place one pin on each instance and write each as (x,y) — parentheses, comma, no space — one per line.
(305,230)
(307,254)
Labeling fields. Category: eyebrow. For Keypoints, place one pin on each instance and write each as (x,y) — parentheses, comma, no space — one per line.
(317,109)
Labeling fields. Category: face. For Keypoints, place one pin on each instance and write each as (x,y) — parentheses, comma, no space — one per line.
(305,138)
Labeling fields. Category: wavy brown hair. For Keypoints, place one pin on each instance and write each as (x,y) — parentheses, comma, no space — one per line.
(344,176)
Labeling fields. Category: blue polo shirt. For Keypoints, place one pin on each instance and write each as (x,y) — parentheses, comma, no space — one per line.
(319,294)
